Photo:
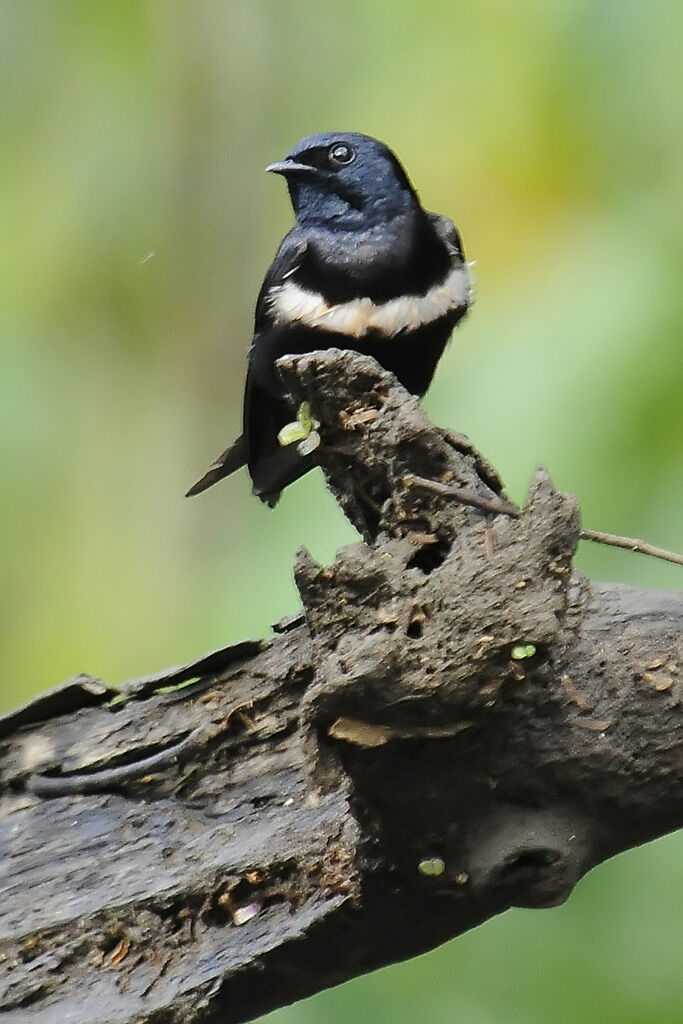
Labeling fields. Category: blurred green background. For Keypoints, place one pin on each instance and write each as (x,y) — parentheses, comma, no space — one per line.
(136,227)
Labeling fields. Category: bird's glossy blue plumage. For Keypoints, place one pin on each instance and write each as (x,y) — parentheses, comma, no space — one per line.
(371,191)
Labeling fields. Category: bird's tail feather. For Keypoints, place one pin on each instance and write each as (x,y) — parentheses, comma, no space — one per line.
(227,462)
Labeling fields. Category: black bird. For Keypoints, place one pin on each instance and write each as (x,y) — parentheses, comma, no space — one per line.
(365,268)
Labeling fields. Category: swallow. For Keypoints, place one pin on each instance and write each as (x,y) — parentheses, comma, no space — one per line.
(366,268)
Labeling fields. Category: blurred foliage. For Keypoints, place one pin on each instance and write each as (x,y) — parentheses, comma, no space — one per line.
(136,229)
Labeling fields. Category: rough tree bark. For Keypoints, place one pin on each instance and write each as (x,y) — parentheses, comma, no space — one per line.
(457,723)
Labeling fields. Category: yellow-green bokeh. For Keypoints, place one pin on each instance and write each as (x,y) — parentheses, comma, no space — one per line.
(136,226)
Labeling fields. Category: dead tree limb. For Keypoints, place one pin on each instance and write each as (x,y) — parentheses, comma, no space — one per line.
(456,724)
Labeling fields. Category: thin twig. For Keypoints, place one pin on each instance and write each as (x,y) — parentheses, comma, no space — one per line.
(632,544)
(458,494)
(505,509)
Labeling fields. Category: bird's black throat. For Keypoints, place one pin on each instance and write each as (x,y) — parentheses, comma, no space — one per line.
(405,257)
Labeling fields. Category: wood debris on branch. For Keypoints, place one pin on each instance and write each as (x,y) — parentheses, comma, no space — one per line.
(457,723)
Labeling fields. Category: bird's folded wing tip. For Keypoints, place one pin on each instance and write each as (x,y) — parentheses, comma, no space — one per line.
(231,459)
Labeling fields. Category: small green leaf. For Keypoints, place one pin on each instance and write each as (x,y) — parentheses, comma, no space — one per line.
(309,443)
(521,651)
(176,686)
(305,417)
(431,867)
(290,433)
(120,698)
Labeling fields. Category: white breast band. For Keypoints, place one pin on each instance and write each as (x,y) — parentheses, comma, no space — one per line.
(290,304)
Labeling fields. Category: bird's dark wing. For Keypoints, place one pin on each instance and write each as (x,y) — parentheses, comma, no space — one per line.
(262,414)
(234,457)
(266,409)
(449,234)
(287,261)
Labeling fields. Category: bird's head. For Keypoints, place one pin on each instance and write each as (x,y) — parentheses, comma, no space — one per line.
(345,180)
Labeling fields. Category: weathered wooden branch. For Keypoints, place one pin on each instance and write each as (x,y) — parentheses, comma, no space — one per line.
(457,723)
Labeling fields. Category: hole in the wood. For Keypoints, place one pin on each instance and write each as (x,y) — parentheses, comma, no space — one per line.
(414,630)
(262,801)
(429,557)
(529,860)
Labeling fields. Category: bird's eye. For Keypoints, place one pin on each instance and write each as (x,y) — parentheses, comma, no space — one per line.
(341,153)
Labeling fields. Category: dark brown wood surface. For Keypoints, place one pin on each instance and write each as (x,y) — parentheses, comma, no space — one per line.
(457,723)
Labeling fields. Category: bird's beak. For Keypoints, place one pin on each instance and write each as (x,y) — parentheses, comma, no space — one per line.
(287,167)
